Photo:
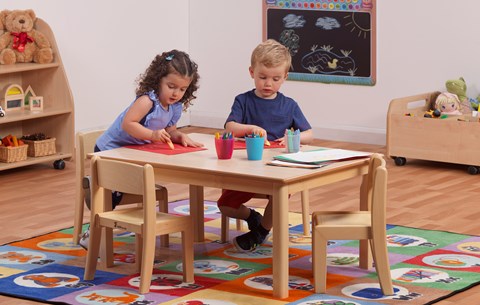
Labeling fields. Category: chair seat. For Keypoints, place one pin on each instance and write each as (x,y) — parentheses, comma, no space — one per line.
(344,219)
(131,219)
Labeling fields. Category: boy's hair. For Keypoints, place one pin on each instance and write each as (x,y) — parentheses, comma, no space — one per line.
(271,54)
(173,61)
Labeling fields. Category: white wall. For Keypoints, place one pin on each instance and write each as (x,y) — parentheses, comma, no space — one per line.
(106,44)
(420,45)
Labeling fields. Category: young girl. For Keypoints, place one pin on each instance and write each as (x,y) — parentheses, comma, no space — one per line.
(164,90)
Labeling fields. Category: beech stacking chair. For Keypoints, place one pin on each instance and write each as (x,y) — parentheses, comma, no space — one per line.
(143,219)
(85,145)
(356,225)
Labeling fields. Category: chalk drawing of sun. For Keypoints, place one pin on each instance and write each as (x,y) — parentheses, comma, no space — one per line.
(358,22)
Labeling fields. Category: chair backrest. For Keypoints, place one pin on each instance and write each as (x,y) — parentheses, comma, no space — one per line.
(85,145)
(379,191)
(108,175)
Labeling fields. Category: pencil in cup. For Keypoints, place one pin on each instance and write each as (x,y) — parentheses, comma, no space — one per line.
(224,145)
(292,139)
(254,147)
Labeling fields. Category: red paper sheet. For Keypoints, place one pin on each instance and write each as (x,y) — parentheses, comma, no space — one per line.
(163,148)
(240,144)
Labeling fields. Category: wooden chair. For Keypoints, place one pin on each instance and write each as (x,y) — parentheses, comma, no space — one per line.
(143,220)
(225,222)
(356,225)
(85,145)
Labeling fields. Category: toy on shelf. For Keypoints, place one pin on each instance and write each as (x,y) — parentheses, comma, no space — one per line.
(13,98)
(2,112)
(21,42)
(28,93)
(36,103)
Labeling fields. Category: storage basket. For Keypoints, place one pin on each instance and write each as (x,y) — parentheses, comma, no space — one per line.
(41,148)
(10,154)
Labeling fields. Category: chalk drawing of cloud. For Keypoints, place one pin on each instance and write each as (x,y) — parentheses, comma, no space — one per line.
(327,23)
(292,21)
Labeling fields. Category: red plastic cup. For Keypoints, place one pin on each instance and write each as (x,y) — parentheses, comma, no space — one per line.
(224,148)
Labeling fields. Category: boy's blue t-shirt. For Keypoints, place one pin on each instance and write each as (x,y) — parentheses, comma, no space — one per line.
(157,118)
(273,115)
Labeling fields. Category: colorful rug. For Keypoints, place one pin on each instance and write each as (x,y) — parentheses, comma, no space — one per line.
(426,266)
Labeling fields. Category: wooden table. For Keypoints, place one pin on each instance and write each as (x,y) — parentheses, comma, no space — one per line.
(203,169)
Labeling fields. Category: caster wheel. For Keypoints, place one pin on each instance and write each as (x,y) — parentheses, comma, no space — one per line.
(473,170)
(59,164)
(400,161)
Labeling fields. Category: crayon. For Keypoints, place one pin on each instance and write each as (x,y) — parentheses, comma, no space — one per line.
(170,144)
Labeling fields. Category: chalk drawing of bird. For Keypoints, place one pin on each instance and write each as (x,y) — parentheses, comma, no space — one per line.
(333,64)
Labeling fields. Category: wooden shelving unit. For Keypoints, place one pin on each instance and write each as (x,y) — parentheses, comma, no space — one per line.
(57,117)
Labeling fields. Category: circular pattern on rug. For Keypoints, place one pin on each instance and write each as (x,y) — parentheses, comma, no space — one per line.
(46,280)
(20,257)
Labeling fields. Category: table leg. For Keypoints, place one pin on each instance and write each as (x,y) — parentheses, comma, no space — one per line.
(197,212)
(365,253)
(280,242)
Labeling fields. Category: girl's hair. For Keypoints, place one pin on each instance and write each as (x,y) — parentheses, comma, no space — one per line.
(271,53)
(173,61)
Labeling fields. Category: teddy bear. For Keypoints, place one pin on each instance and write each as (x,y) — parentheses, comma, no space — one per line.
(20,42)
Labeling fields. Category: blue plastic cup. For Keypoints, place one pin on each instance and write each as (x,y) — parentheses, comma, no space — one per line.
(254,148)
(293,143)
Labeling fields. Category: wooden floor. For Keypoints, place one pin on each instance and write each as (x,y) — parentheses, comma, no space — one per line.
(38,199)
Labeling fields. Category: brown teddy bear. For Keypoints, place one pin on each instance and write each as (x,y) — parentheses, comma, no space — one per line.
(20,42)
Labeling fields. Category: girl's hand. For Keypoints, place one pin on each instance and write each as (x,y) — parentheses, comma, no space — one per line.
(160,135)
(186,141)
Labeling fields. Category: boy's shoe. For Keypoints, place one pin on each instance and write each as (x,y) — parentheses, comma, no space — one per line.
(83,242)
(254,219)
(249,241)
(86,188)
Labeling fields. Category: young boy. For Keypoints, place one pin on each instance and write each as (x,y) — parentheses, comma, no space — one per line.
(262,110)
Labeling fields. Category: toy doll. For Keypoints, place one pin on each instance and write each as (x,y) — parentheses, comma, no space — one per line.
(448,103)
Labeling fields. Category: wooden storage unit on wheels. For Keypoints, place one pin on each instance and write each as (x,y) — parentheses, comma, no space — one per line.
(455,139)
(56,116)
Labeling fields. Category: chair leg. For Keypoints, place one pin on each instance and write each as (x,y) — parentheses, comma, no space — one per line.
(106,248)
(382,265)
(187,247)
(225,227)
(138,252)
(147,258)
(162,198)
(92,254)
(239,225)
(306,213)
(78,217)
(319,257)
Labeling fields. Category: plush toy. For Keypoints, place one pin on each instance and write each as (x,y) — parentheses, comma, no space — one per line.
(459,87)
(447,103)
(20,42)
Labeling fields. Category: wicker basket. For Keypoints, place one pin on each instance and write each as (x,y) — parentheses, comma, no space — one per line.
(10,154)
(41,148)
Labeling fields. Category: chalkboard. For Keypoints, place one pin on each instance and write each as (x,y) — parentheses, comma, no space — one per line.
(331,41)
